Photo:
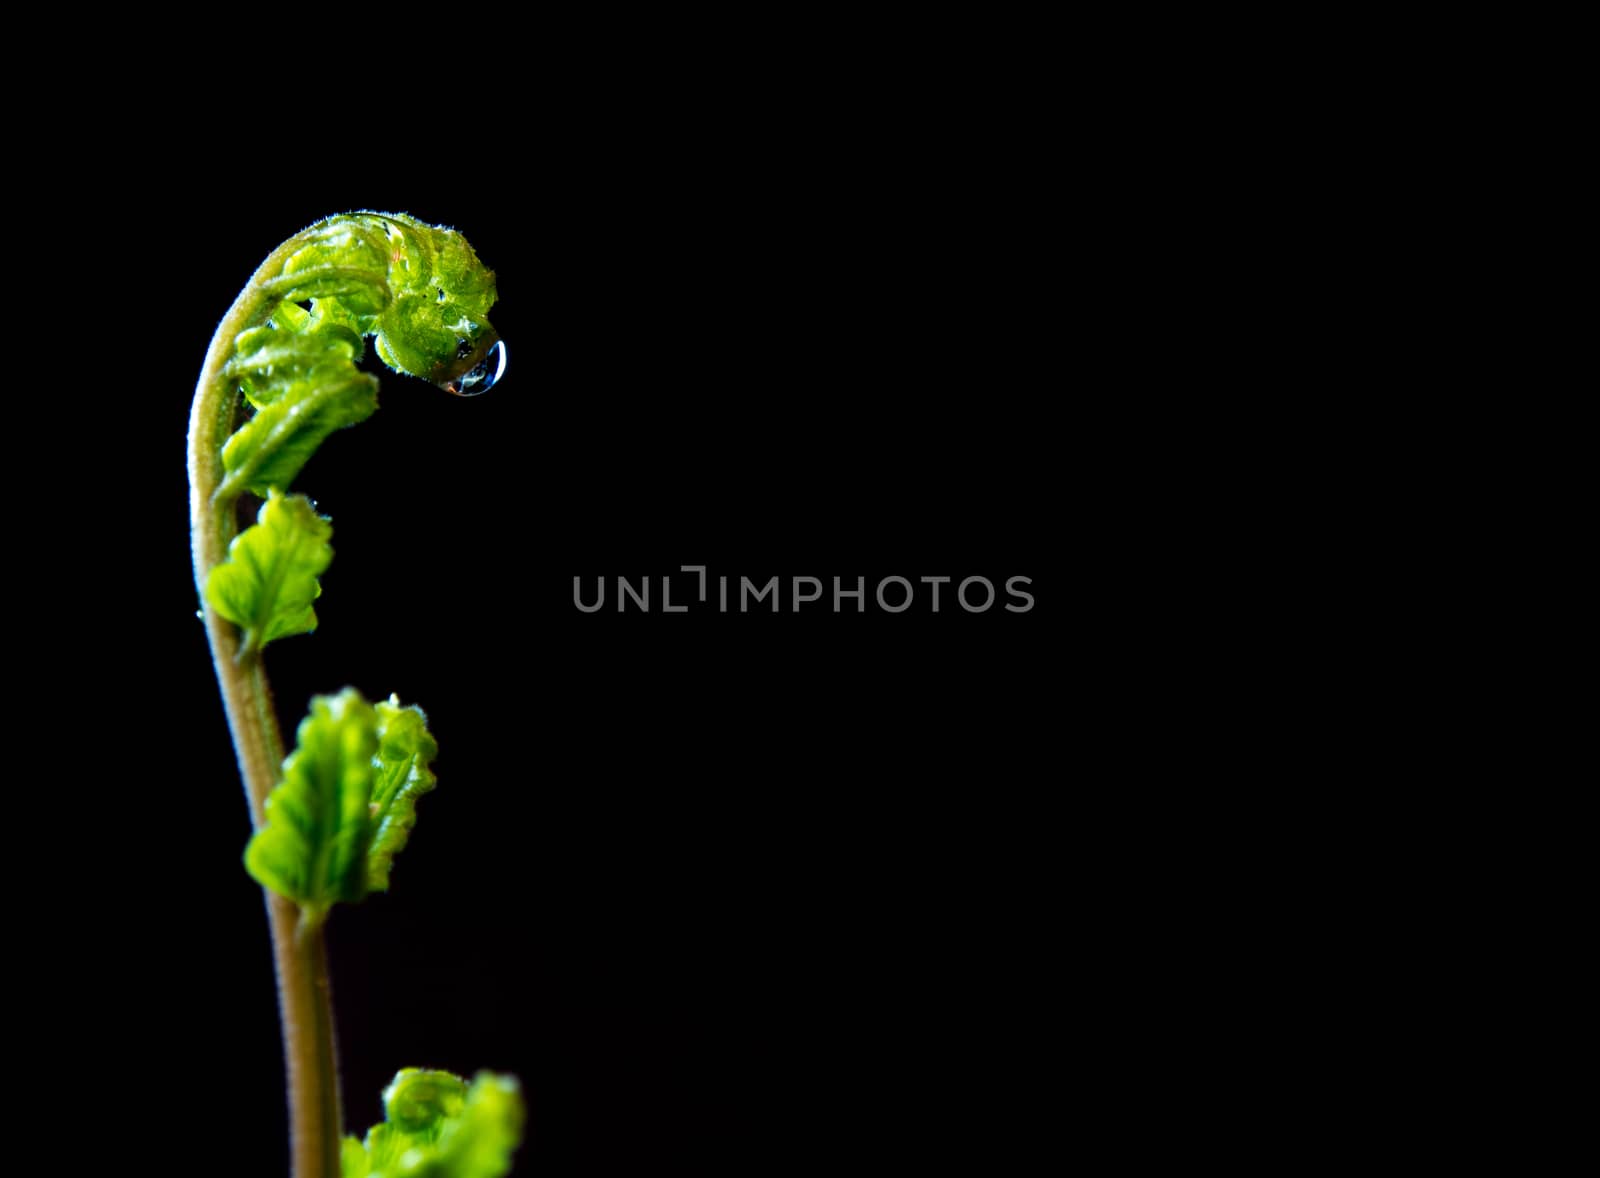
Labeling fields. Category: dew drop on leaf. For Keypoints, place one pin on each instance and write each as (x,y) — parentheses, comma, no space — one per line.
(483,377)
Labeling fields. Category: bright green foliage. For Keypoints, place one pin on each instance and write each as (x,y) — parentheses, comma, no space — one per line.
(266,360)
(406,749)
(437,1127)
(438,322)
(312,847)
(419,288)
(418,1101)
(269,580)
(480,1143)
(353,1159)
(269,449)
(347,802)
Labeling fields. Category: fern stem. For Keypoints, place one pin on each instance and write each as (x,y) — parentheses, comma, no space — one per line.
(299,953)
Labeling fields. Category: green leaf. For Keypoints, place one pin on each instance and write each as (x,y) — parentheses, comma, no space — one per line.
(406,749)
(353,1162)
(480,1142)
(269,449)
(437,1127)
(312,847)
(267,360)
(347,802)
(267,584)
(418,1101)
(342,258)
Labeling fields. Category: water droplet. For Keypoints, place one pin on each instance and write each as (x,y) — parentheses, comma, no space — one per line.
(482,378)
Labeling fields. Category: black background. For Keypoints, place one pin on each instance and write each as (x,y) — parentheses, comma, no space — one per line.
(729,892)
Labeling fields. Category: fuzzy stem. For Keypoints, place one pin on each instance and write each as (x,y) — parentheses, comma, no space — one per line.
(299,953)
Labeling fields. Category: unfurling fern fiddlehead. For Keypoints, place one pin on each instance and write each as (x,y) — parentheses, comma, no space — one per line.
(420,290)
(330,817)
